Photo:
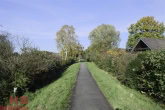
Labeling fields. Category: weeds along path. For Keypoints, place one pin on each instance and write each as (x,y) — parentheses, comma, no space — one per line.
(86,94)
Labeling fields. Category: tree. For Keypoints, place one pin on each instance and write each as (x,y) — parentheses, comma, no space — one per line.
(146,27)
(104,37)
(79,53)
(6,46)
(67,42)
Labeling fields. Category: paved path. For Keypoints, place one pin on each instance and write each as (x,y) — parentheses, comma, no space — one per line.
(86,94)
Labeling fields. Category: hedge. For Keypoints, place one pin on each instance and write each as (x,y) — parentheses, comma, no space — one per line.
(29,71)
(146,73)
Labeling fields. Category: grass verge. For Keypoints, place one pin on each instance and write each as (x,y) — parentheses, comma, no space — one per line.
(120,97)
(56,95)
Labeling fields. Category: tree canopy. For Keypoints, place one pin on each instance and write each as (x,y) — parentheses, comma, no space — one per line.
(104,37)
(67,42)
(146,27)
(6,46)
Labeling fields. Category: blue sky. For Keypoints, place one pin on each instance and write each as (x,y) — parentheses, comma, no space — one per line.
(39,20)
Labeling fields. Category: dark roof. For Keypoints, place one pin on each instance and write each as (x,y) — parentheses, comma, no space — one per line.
(154,44)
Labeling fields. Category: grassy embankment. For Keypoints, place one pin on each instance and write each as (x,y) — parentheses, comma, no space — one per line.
(56,95)
(118,95)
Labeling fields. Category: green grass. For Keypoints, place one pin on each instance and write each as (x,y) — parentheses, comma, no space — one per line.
(118,95)
(56,95)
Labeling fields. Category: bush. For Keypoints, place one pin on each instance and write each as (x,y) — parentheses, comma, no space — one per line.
(90,54)
(121,65)
(114,61)
(104,61)
(40,67)
(30,69)
(5,81)
(146,73)
(133,66)
(6,51)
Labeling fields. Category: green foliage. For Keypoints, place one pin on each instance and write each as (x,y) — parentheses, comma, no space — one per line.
(146,73)
(29,70)
(5,81)
(146,27)
(105,62)
(55,96)
(114,61)
(40,66)
(6,46)
(90,54)
(6,51)
(120,96)
(134,65)
(67,43)
(120,66)
(104,37)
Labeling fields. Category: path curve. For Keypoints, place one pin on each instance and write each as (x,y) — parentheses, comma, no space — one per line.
(86,94)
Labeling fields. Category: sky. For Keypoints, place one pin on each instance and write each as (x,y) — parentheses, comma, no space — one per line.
(39,20)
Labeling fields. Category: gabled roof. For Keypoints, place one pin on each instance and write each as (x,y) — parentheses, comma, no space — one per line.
(153,44)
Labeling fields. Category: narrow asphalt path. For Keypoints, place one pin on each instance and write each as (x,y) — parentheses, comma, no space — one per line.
(86,94)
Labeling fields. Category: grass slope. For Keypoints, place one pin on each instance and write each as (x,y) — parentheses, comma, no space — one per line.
(56,95)
(118,95)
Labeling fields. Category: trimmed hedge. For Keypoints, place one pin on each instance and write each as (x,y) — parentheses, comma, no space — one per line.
(146,73)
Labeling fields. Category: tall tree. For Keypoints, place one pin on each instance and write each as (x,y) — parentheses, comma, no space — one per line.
(104,37)
(146,27)
(67,42)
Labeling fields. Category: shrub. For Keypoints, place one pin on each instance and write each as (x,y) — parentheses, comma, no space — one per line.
(146,73)
(121,65)
(90,54)
(133,67)
(119,59)
(5,81)
(32,69)
(104,61)
(40,67)
(28,70)
(114,61)
(6,51)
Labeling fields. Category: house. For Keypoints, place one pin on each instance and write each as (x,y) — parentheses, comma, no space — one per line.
(144,44)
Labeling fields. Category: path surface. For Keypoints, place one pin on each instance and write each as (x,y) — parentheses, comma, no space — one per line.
(86,94)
